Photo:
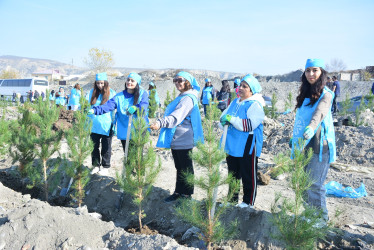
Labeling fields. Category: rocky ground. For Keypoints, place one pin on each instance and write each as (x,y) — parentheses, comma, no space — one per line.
(27,223)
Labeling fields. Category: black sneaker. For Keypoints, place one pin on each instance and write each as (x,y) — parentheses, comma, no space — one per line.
(172,198)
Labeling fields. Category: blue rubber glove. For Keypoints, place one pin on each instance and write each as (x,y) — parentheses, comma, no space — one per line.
(91,112)
(308,132)
(225,119)
(132,109)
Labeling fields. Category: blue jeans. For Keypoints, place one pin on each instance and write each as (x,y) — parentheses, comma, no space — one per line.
(316,195)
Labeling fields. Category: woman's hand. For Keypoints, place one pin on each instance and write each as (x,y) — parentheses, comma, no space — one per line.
(155,126)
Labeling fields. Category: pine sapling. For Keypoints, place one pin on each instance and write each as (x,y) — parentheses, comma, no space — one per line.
(358,113)
(296,221)
(140,171)
(47,142)
(23,134)
(370,98)
(80,144)
(345,105)
(288,104)
(5,135)
(273,109)
(168,99)
(206,215)
(153,106)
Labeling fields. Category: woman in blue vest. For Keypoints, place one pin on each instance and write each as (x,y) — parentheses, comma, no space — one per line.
(101,124)
(60,97)
(314,124)
(181,130)
(52,97)
(208,95)
(75,95)
(245,137)
(152,88)
(130,101)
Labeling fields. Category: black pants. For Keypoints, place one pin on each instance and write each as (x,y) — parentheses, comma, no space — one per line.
(245,168)
(106,150)
(183,164)
(334,105)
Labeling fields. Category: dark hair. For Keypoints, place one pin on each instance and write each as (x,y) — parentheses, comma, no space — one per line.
(187,86)
(206,84)
(53,91)
(225,86)
(312,91)
(96,92)
(334,78)
(151,87)
(136,93)
(77,86)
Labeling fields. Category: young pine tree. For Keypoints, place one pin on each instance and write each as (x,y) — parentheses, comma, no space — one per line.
(295,220)
(206,215)
(273,109)
(140,170)
(288,104)
(153,106)
(81,146)
(47,142)
(358,113)
(345,105)
(5,135)
(168,99)
(23,132)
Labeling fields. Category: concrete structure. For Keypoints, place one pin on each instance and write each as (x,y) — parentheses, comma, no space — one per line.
(50,75)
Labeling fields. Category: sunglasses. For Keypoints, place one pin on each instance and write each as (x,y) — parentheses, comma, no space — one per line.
(178,80)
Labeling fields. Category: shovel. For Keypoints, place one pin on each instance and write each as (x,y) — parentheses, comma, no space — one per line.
(224,135)
(65,191)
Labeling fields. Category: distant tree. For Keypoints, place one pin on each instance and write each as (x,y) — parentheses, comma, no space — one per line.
(168,99)
(10,73)
(336,65)
(99,60)
(5,134)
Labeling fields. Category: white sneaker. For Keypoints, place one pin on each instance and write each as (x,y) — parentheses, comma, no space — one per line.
(95,170)
(104,171)
(244,205)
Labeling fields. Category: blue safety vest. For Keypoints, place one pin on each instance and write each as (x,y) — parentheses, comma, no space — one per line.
(207,94)
(60,100)
(304,116)
(52,97)
(75,95)
(122,118)
(236,140)
(167,134)
(101,123)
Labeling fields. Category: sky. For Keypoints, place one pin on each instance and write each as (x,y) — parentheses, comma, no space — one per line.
(265,37)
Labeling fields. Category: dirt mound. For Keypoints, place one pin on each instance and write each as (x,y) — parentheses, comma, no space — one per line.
(65,120)
(27,223)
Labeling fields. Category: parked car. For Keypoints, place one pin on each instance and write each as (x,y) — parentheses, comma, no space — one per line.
(355,103)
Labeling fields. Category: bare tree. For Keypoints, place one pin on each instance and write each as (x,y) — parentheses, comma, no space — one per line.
(99,60)
(336,65)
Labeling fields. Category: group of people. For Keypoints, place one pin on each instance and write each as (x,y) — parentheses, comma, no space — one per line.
(181,127)
(60,98)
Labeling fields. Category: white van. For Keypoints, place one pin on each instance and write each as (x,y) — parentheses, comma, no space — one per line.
(22,86)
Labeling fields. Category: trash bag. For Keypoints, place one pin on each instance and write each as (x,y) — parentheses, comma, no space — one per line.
(336,189)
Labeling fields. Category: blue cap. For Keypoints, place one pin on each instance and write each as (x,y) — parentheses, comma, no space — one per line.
(315,63)
(190,78)
(207,80)
(136,77)
(152,84)
(101,77)
(253,83)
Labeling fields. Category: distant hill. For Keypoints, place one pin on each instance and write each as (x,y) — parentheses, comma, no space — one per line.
(27,65)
